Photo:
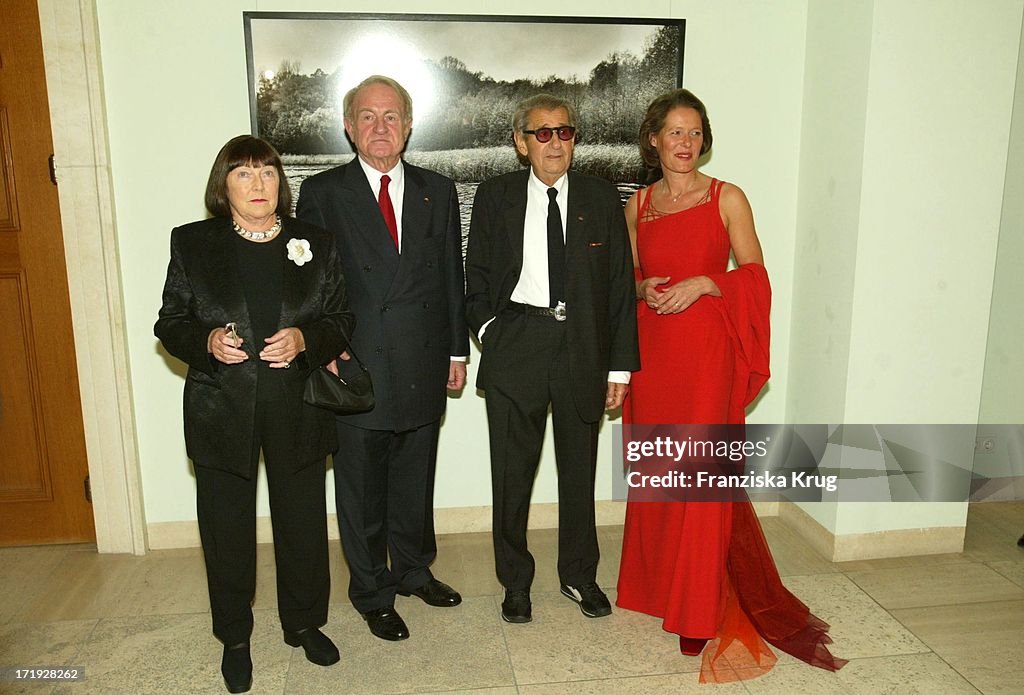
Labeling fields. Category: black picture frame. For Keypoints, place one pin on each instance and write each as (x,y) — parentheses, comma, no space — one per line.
(300,64)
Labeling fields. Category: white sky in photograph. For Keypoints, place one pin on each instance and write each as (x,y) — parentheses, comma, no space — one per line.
(518,50)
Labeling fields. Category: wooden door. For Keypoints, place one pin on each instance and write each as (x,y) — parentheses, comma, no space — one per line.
(43,466)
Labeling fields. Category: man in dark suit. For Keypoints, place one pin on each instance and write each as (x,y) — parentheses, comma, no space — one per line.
(398,235)
(550,296)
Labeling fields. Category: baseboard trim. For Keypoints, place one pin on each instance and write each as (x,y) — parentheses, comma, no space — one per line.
(871,546)
(858,546)
(185,534)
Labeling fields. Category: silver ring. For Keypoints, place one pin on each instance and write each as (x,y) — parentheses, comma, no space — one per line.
(287,364)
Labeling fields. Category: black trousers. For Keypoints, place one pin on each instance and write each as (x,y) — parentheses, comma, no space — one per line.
(384,488)
(530,372)
(226,509)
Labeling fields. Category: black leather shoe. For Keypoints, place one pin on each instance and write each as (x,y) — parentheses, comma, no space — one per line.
(516,608)
(236,667)
(387,624)
(318,647)
(436,593)
(592,600)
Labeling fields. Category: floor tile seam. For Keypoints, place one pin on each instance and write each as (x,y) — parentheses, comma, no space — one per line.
(1000,524)
(937,654)
(580,681)
(957,671)
(930,565)
(79,648)
(120,617)
(1011,579)
(862,659)
(949,605)
(495,604)
(878,603)
(929,568)
(87,639)
(744,682)
(831,573)
(863,591)
(288,673)
(989,563)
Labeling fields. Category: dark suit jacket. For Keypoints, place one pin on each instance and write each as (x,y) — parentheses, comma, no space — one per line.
(600,295)
(203,291)
(409,307)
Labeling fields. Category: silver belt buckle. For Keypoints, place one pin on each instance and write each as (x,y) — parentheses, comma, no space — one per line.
(559,311)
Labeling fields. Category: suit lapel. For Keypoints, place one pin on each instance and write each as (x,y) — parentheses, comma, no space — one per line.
(515,222)
(223,275)
(575,224)
(417,205)
(360,208)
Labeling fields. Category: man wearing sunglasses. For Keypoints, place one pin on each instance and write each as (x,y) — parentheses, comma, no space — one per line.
(550,297)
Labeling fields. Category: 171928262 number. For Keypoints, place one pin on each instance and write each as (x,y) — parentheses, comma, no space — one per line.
(41,675)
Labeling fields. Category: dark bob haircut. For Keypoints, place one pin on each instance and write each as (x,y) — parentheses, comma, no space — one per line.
(654,121)
(244,150)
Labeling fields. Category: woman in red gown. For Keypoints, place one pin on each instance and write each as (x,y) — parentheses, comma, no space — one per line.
(704,567)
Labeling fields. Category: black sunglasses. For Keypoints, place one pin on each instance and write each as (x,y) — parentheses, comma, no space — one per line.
(565,133)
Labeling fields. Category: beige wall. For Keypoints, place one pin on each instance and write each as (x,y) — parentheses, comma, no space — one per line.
(845,123)
(171,107)
(908,117)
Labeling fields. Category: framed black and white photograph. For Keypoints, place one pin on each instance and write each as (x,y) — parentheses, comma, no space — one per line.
(465,75)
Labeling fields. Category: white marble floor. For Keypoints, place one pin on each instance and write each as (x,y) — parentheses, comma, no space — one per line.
(931,625)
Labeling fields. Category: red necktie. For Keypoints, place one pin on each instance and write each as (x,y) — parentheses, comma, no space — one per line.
(387,209)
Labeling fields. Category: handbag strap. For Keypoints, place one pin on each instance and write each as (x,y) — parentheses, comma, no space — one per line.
(349,350)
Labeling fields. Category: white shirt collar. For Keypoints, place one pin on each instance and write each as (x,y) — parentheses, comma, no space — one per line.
(396,173)
(560,184)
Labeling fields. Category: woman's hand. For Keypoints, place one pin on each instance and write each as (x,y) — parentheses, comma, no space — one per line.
(678,298)
(283,347)
(648,291)
(224,346)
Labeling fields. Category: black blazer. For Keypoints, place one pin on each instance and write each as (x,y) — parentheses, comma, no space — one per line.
(203,291)
(409,307)
(600,294)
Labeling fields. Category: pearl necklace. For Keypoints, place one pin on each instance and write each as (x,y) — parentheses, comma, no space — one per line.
(258,236)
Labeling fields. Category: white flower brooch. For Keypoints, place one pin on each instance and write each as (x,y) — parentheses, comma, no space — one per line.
(298,251)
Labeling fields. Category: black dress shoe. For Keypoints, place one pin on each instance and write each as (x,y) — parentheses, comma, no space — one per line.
(236,667)
(318,647)
(387,624)
(516,608)
(436,593)
(592,600)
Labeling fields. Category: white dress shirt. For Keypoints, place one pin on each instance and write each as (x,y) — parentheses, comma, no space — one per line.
(396,189)
(533,286)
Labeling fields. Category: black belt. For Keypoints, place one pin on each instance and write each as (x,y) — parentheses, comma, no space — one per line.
(557,313)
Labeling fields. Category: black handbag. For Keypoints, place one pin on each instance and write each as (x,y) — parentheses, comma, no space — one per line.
(341,396)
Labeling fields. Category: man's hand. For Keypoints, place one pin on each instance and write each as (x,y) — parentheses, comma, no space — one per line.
(616,394)
(456,375)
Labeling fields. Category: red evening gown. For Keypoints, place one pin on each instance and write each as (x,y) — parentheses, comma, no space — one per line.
(705,567)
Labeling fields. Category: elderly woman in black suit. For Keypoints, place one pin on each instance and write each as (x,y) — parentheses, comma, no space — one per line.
(254,300)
